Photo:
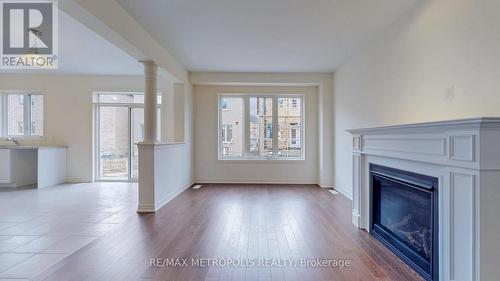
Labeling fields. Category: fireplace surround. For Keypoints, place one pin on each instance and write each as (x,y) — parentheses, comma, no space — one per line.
(462,157)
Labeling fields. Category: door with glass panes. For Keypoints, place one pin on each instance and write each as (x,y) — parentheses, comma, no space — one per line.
(120,127)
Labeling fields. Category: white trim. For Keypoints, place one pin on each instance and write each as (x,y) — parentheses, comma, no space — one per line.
(356,219)
(255,181)
(151,208)
(261,160)
(451,226)
(160,145)
(471,151)
(468,174)
(146,208)
(77,180)
(246,133)
(276,125)
(343,192)
(470,123)
(3,132)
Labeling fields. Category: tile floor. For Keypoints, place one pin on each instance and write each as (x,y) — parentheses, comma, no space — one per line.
(39,228)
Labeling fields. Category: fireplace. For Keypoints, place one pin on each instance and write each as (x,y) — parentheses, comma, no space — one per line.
(405,217)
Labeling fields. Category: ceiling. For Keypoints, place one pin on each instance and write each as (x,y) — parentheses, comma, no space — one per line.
(265,35)
(82,51)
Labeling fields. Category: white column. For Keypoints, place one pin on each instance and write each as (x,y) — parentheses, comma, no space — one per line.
(147,169)
(150,101)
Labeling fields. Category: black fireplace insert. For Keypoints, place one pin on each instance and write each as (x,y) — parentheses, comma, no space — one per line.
(405,217)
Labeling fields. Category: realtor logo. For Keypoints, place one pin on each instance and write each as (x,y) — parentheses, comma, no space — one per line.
(29,34)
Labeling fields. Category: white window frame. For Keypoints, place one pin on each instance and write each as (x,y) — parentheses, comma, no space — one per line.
(4,133)
(246,156)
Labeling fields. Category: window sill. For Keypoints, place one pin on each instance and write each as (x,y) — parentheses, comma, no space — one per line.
(281,161)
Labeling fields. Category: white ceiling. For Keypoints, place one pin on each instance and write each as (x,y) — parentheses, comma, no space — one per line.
(265,35)
(82,51)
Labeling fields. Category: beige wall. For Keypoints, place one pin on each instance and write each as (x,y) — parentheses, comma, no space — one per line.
(324,111)
(68,112)
(175,163)
(405,76)
(207,168)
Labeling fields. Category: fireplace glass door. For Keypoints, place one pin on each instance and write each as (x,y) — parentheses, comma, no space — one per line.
(404,218)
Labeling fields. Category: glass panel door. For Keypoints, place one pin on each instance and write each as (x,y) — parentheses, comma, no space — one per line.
(114,143)
(119,129)
(137,136)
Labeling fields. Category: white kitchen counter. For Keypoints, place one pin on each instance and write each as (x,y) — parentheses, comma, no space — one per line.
(29,146)
(41,166)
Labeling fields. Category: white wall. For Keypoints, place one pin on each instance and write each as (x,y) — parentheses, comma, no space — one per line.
(405,75)
(176,161)
(123,31)
(68,112)
(208,169)
(167,169)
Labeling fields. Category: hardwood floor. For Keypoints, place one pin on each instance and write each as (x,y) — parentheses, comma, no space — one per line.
(228,223)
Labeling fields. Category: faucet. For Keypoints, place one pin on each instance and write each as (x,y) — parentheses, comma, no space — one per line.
(13,140)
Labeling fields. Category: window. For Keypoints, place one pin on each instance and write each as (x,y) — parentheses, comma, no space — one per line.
(247,127)
(123,98)
(290,123)
(261,126)
(21,114)
(224,104)
(293,136)
(231,117)
(15,115)
(36,115)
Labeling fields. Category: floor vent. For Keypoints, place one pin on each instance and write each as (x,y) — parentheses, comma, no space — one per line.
(334,192)
(197,186)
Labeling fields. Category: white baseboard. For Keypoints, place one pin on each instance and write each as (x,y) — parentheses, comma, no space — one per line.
(146,208)
(170,197)
(356,219)
(255,181)
(150,208)
(344,192)
(77,180)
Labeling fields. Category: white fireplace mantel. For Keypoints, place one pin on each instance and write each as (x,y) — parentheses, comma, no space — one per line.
(465,156)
